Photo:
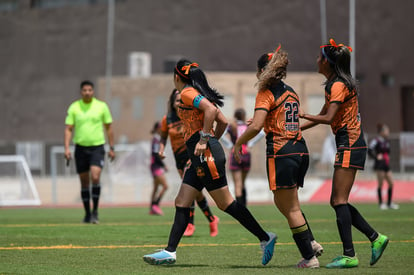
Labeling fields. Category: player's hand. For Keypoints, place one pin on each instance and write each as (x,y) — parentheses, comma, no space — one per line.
(111,155)
(380,157)
(249,121)
(161,154)
(237,152)
(200,147)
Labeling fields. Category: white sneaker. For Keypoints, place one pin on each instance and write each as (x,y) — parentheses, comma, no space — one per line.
(317,248)
(394,206)
(311,263)
(383,206)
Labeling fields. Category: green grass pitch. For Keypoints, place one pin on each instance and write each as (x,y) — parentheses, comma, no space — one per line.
(54,241)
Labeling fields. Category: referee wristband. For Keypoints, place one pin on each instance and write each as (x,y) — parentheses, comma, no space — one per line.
(112,148)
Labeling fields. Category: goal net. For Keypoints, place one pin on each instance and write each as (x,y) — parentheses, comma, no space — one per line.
(17,187)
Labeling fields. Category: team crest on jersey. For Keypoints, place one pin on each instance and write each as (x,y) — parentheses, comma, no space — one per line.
(200,172)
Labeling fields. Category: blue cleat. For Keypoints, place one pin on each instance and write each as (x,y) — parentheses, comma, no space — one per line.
(268,248)
(162,257)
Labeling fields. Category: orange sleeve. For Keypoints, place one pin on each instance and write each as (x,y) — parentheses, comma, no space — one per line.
(164,126)
(338,92)
(188,95)
(264,100)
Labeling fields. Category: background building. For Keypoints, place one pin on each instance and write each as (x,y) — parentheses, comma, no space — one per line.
(49,46)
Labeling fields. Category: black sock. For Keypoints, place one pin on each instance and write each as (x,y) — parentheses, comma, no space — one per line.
(389,195)
(361,224)
(244,196)
(182,214)
(240,200)
(245,218)
(309,229)
(206,209)
(344,223)
(379,196)
(96,192)
(86,196)
(157,201)
(192,210)
(301,237)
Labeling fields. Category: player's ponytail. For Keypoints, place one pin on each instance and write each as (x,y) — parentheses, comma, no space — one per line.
(191,74)
(339,58)
(273,68)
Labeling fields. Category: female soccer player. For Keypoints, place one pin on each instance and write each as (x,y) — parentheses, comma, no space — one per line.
(172,126)
(379,150)
(158,170)
(239,170)
(341,111)
(276,108)
(199,112)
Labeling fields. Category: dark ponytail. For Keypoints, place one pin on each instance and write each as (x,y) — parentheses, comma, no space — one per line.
(191,74)
(339,58)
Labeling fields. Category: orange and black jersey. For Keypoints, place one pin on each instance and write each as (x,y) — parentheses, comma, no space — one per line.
(282,121)
(172,126)
(191,117)
(346,124)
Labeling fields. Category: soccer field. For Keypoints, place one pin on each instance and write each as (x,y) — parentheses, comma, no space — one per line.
(54,241)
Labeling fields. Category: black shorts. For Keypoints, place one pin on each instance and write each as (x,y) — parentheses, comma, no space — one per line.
(354,158)
(381,165)
(207,171)
(87,156)
(181,160)
(288,168)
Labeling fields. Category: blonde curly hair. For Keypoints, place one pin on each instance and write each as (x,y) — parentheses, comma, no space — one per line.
(274,71)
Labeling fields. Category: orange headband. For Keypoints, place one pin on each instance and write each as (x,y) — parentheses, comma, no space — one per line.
(270,55)
(333,44)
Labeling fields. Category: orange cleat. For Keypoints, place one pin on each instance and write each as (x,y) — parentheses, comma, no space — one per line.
(189,231)
(214,227)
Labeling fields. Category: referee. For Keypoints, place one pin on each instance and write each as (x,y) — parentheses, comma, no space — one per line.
(86,119)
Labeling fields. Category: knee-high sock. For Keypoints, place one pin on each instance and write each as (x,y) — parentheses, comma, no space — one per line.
(361,224)
(96,192)
(344,223)
(192,210)
(244,196)
(309,229)
(206,209)
(389,195)
(182,215)
(245,218)
(86,196)
(379,196)
(301,237)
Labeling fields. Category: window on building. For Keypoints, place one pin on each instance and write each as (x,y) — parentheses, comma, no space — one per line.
(137,107)
(8,5)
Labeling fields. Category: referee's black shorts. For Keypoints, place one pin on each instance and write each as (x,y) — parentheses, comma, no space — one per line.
(87,156)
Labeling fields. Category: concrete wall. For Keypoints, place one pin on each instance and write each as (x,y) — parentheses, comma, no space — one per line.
(45,53)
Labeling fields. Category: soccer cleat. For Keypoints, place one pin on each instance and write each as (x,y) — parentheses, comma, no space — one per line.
(156,210)
(214,226)
(87,218)
(317,248)
(162,257)
(343,262)
(383,206)
(311,263)
(268,248)
(189,231)
(377,248)
(394,206)
(94,217)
